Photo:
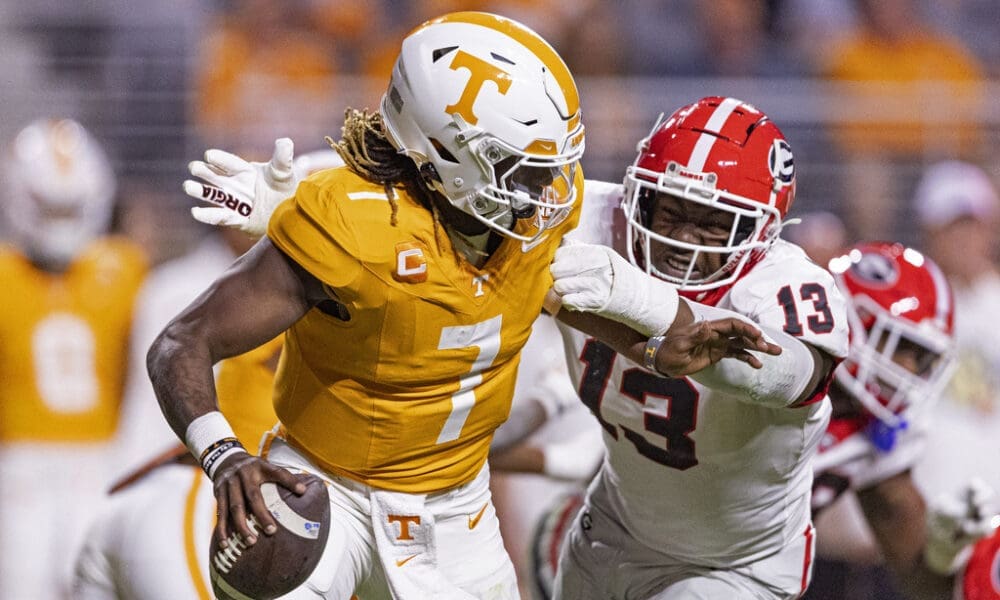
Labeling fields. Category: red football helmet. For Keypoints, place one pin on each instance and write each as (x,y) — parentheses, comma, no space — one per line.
(719,153)
(899,301)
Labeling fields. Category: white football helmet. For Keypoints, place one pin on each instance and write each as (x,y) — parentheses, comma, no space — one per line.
(491,116)
(59,187)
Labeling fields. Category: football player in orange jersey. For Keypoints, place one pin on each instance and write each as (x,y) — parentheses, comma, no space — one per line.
(65,318)
(166,496)
(407,282)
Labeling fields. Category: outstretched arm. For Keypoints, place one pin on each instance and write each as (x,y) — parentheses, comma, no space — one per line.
(687,347)
(219,324)
(683,338)
(598,292)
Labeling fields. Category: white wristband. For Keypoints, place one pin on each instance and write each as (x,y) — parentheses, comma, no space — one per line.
(211,440)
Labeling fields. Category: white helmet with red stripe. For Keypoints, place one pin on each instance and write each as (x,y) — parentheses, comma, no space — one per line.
(491,115)
(902,319)
(59,187)
(719,158)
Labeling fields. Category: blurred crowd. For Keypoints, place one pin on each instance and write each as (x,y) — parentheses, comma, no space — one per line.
(869,97)
(888,103)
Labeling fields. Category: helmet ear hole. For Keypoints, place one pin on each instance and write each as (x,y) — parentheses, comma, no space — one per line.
(443,152)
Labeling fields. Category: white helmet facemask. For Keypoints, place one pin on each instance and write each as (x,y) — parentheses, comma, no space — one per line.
(755,226)
(882,385)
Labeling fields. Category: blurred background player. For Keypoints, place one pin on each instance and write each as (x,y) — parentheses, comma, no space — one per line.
(979,576)
(902,355)
(65,318)
(705,488)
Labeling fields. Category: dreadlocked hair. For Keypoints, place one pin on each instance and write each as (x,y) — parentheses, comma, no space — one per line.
(367,151)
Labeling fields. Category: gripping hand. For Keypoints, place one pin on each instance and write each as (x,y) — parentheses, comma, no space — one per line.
(596,279)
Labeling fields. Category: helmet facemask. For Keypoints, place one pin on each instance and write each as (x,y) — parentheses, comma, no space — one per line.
(752,226)
(521,186)
(874,373)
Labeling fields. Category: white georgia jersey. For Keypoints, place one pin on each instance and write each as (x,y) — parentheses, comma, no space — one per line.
(848,460)
(693,473)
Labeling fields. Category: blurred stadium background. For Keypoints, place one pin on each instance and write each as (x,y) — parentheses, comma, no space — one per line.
(852,86)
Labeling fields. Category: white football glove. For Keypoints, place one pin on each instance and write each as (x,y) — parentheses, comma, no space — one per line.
(246,192)
(596,279)
(955,521)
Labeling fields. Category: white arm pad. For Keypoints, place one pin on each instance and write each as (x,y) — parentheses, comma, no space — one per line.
(780,381)
(596,279)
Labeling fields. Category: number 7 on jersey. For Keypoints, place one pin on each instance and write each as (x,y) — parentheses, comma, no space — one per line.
(486,336)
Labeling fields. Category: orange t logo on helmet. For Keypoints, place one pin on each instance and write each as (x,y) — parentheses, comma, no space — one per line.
(480,72)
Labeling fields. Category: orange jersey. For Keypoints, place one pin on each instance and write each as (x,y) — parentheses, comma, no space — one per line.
(404,395)
(244,388)
(64,343)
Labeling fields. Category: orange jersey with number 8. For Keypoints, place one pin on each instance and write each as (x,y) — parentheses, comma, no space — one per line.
(65,343)
(406,393)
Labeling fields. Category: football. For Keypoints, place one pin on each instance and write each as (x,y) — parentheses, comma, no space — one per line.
(277,563)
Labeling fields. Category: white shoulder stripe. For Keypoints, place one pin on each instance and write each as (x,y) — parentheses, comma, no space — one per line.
(715,123)
(368,196)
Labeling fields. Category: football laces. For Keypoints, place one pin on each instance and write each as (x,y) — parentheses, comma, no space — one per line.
(225,559)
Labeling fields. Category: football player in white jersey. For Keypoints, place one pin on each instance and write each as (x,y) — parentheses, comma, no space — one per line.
(902,354)
(705,489)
